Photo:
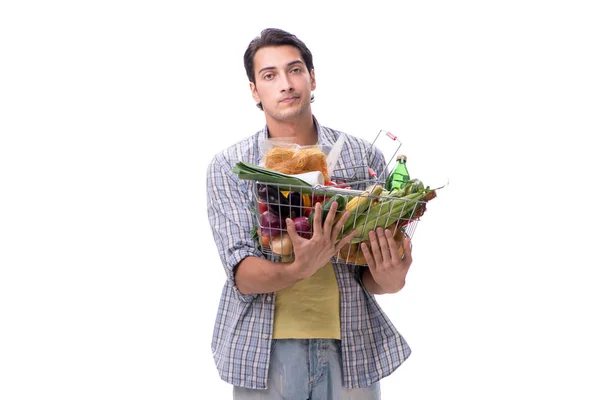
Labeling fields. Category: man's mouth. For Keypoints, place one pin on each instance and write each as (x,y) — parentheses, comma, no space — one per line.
(289,99)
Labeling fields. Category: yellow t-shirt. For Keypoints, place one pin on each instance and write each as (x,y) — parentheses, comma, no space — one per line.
(310,308)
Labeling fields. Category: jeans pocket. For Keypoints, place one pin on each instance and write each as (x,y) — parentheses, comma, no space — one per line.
(273,344)
(337,346)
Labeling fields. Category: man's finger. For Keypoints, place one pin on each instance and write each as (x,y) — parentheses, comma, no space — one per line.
(329,219)
(291,230)
(367,255)
(345,240)
(407,257)
(375,248)
(317,225)
(337,228)
(383,244)
(393,247)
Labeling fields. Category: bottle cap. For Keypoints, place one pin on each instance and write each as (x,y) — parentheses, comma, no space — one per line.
(401,157)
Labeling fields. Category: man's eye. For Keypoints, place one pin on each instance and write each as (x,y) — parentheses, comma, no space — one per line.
(296,70)
(268,76)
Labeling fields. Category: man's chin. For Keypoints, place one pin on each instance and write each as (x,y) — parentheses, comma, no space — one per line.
(289,114)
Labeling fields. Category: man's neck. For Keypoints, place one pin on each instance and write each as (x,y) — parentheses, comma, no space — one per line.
(303,129)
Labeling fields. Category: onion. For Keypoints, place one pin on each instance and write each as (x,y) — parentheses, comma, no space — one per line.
(302,227)
(282,245)
(270,224)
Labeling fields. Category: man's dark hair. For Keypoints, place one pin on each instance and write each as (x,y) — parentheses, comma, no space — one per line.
(274,37)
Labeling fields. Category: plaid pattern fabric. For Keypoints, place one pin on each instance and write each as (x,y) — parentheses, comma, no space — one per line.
(371,347)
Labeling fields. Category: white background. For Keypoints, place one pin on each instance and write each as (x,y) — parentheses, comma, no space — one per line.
(110,112)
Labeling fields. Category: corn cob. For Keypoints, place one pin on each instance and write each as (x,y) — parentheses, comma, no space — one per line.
(416,186)
(357,201)
(412,186)
(385,213)
(378,212)
(377,207)
(358,204)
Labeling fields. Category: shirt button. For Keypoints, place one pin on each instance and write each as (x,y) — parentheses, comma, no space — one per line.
(265,336)
(268,298)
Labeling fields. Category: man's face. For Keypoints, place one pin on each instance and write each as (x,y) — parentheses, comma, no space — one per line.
(283,82)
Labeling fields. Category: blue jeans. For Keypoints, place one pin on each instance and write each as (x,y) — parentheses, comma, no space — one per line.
(303,369)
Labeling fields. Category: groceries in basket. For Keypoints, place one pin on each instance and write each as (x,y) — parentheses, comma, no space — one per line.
(279,196)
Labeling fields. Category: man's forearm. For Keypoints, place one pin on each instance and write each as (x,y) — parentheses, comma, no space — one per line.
(257,275)
(373,287)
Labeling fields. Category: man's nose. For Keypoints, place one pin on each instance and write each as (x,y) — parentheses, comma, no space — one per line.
(286,84)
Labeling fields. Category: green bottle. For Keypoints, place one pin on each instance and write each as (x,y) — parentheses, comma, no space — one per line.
(399,175)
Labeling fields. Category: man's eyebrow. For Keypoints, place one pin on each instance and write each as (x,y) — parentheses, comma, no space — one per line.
(295,62)
(287,65)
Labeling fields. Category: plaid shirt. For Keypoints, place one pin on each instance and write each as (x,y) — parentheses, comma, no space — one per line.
(371,347)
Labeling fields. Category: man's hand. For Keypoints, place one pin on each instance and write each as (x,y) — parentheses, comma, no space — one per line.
(314,253)
(386,267)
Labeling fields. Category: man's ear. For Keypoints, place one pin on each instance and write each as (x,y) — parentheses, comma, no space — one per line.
(313,81)
(255,95)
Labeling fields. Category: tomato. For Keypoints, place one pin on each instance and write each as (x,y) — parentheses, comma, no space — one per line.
(265,241)
(262,207)
(318,199)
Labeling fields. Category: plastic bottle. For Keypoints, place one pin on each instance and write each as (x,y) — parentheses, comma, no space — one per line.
(399,175)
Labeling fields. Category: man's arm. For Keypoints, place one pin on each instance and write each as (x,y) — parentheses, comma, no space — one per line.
(372,286)
(257,275)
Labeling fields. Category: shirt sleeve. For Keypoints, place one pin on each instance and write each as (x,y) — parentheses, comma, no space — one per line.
(230,213)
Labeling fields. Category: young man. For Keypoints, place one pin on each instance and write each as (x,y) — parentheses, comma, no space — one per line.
(310,328)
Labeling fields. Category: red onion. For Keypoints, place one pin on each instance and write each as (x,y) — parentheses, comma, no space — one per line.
(302,227)
(270,224)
